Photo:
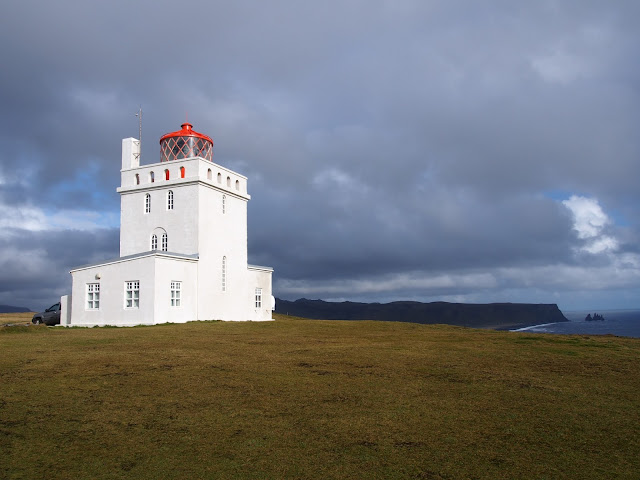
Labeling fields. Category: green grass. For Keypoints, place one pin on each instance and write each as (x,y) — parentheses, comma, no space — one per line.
(316,399)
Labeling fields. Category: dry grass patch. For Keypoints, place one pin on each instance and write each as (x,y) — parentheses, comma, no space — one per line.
(15,318)
(316,399)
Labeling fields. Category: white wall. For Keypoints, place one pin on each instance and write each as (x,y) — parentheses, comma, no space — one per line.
(111,279)
(222,235)
(136,226)
(154,272)
(195,168)
(65,310)
(166,271)
(259,277)
(183,223)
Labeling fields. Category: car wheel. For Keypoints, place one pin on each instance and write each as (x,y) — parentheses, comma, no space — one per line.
(37,321)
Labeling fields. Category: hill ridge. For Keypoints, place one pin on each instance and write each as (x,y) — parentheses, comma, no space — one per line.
(12,309)
(485,315)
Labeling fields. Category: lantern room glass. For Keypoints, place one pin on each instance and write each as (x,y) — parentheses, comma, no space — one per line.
(179,147)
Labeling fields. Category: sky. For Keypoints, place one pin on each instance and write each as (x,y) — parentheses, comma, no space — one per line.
(455,151)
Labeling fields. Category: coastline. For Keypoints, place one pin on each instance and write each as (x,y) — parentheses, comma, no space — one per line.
(622,323)
(531,327)
(523,327)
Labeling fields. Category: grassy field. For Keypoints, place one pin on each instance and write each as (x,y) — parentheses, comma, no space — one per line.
(15,318)
(316,399)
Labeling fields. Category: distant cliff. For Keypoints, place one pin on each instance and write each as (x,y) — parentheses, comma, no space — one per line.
(491,315)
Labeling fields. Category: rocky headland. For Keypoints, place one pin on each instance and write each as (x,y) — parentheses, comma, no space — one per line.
(492,315)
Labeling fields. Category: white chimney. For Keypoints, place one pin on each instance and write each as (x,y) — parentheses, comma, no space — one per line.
(130,153)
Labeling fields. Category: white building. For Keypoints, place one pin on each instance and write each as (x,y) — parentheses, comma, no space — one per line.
(183,244)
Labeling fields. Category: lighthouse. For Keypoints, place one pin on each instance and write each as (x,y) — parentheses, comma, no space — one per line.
(183,244)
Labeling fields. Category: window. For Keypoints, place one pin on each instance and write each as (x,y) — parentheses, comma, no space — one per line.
(137,179)
(181,172)
(237,184)
(154,242)
(229,182)
(176,287)
(93,296)
(209,174)
(152,177)
(224,274)
(53,308)
(170,200)
(219,177)
(224,204)
(132,294)
(258,297)
(164,242)
(147,203)
(166,174)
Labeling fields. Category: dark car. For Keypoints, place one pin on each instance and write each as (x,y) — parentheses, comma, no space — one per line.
(51,316)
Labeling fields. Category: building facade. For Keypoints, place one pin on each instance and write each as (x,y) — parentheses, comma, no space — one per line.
(183,244)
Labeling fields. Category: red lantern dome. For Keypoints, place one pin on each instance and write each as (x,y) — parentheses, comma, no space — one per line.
(185,143)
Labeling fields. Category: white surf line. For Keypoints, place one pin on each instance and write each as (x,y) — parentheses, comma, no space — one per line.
(524,329)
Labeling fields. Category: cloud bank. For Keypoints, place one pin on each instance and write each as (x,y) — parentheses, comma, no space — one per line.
(457,151)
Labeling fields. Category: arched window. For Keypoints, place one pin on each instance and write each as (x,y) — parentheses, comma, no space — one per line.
(219,177)
(170,200)
(209,174)
(166,174)
(229,182)
(181,172)
(147,203)
(224,204)
(137,179)
(159,234)
(237,184)
(224,274)
(152,177)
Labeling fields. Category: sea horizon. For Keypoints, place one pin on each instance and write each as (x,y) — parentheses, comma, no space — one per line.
(618,322)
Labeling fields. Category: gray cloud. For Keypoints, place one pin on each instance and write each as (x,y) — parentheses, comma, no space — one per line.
(409,150)
(35,265)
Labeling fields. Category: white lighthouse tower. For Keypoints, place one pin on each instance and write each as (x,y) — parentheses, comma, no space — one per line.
(183,244)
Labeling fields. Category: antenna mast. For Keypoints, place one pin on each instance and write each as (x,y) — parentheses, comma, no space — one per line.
(139,115)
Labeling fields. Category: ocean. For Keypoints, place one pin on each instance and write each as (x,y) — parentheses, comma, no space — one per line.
(623,323)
